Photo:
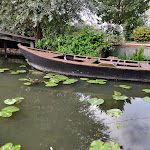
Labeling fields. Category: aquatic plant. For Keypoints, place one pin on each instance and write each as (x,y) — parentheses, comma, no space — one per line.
(70,81)
(114,112)
(50,84)
(118,96)
(9,146)
(97,81)
(146,99)
(13,100)
(96,101)
(146,90)
(29,81)
(123,86)
(61,77)
(22,66)
(119,125)
(99,145)
(3,70)
(84,79)
(18,71)
(7,111)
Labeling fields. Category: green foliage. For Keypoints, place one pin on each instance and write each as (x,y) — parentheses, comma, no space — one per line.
(118,96)
(119,125)
(146,90)
(99,145)
(123,86)
(142,34)
(146,99)
(13,100)
(9,146)
(86,43)
(137,56)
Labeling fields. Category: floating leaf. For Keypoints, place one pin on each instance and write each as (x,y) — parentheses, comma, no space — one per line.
(37,72)
(96,101)
(14,72)
(23,79)
(3,69)
(93,81)
(101,80)
(119,125)
(84,79)
(146,90)
(117,93)
(9,146)
(99,145)
(50,84)
(21,71)
(146,99)
(5,113)
(114,112)
(55,80)
(61,77)
(10,109)
(22,66)
(50,74)
(70,81)
(123,86)
(13,100)
(27,83)
(47,77)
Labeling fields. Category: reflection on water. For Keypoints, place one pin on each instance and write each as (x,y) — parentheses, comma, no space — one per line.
(62,118)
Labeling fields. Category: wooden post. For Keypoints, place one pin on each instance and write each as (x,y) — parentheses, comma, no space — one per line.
(31,44)
(5,48)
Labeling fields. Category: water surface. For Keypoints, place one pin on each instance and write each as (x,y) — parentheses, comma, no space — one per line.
(61,117)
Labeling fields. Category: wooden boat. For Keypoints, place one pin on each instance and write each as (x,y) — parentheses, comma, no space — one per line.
(84,66)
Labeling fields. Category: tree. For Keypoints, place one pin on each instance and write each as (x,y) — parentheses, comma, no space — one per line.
(119,11)
(17,15)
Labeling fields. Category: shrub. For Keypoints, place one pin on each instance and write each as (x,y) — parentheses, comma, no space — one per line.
(86,42)
(142,34)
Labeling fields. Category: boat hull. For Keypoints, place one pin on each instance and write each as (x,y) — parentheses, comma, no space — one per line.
(51,65)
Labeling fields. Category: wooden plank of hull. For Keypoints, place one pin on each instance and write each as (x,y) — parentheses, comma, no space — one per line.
(49,64)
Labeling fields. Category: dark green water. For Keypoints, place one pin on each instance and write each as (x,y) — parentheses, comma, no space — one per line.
(61,117)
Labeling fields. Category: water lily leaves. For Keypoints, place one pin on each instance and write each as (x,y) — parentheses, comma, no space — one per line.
(84,79)
(9,146)
(55,80)
(119,125)
(146,90)
(18,71)
(7,111)
(96,101)
(99,145)
(117,96)
(114,112)
(49,75)
(23,79)
(37,72)
(146,99)
(4,69)
(50,84)
(123,86)
(61,77)
(13,100)
(93,81)
(70,81)
(98,81)
(27,83)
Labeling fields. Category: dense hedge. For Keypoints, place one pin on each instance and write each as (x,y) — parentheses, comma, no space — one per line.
(86,42)
(142,34)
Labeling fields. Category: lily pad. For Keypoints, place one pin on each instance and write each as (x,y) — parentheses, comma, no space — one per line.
(96,101)
(118,96)
(114,112)
(146,99)
(3,69)
(146,90)
(27,83)
(119,125)
(47,77)
(101,80)
(13,100)
(93,81)
(50,84)
(5,114)
(37,72)
(70,81)
(61,77)
(50,74)
(9,146)
(99,145)
(123,86)
(21,71)
(14,72)
(10,109)
(84,79)
(55,80)
(23,79)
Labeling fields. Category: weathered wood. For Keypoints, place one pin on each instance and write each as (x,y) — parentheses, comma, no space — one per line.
(5,48)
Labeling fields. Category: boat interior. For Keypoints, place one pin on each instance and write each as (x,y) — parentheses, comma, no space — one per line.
(109,61)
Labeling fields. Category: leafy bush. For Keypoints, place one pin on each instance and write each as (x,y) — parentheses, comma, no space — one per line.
(142,34)
(86,42)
